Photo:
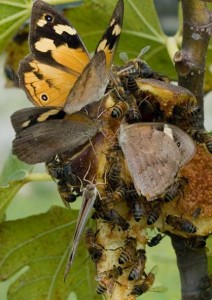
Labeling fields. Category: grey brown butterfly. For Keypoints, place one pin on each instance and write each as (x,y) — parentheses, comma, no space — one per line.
(43,132)
(89,195)
(154,153)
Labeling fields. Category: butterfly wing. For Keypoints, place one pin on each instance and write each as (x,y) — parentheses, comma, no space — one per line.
(88,198)
(45,84)
(152,155)
(40,137)
(110,38)
(185,143)
(90,86)
(58,57)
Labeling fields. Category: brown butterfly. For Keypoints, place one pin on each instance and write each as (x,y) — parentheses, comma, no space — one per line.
(43,132)
(89,195)
(154,153)
(58,58)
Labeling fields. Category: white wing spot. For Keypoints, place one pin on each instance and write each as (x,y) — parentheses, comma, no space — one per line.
(102,45)
(41,22)
(25,124)
(45,115)
(168,131)
(59,29)
(116,30)
(44,45)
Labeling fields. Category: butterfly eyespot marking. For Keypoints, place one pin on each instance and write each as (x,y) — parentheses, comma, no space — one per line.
(49,18)
(44,97)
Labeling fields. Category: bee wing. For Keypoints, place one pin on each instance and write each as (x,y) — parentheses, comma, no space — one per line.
(158,288)
(153,156)
(154,270)
(88,198)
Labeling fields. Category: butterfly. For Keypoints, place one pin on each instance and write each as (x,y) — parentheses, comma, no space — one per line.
(59,72)
(55,72)
(43,132)
(154,153)
(89,196)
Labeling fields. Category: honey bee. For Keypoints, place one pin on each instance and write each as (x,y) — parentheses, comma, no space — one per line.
(146,107)
(116,218)
(176,190)
(107,279)
(120,109)
(205,283)
(95,250)
(137,207)
(133,112)
(62,171)
(181,224)
(154,214)
(208,141)
(202,136)
(129,251)
(120,191)
(155,240)
(146,284)
(67,182)
(105,211)
(138,68)
(196,213)
(196,242)
(67,193)
(132,86)
(188,116)
(113,175)
(139,266)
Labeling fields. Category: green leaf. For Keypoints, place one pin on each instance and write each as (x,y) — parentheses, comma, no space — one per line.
(15,13)
(209,254)
(141,28)
(12,179)
(14,170)
(41,243)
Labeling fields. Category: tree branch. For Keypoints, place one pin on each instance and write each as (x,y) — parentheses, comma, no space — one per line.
(192,264)
(190,60)
(190,65)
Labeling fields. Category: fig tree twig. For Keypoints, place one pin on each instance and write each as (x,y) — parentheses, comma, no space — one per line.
(190,65)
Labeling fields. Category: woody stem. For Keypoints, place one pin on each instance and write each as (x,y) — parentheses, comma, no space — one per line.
(190,65)
(192,264)
(190,60)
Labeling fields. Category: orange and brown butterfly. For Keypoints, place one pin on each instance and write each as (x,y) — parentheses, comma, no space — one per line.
(59,73)
(58,57)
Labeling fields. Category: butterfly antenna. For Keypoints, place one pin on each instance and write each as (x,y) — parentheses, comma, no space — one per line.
(106,136)
(84,178)
(94,151)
